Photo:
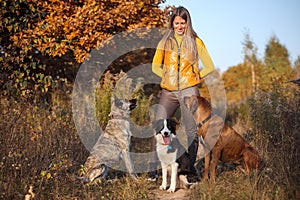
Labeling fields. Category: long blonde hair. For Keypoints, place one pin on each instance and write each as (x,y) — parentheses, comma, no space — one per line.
(189,37)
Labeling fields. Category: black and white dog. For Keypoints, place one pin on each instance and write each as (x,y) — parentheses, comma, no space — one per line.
(171,154)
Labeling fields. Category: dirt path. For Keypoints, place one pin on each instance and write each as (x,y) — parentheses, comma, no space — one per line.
(180,194)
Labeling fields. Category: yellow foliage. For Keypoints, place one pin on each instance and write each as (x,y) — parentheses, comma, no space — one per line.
(80,28)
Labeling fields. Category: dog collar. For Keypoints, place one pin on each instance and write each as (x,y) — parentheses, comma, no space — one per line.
(169,146)
(204,121)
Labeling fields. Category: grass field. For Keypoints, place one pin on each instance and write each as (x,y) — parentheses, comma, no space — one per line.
(42,152)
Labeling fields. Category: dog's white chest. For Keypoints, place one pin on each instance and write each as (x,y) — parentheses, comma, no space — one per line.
(165,155)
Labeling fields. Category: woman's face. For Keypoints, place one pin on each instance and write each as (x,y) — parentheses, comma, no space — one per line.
(179,25)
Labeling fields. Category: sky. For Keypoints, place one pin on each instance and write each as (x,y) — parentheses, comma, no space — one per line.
(222,25)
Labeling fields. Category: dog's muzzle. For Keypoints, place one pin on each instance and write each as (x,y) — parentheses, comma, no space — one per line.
(133,104)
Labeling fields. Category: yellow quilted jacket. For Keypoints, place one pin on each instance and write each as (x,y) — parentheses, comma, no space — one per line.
(172,64)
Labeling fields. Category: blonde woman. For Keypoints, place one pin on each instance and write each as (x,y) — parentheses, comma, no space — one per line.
(176,62)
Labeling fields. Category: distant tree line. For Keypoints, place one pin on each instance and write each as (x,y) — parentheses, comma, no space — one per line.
(243,80)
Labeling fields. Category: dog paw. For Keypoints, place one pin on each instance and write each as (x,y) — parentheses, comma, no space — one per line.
(134,176)
(83,179)
(171,190)
(162,187)
(193,185)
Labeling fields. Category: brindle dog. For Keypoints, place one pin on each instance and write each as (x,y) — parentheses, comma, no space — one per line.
(114,144)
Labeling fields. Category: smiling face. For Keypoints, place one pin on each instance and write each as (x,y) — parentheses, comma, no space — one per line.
(179,25)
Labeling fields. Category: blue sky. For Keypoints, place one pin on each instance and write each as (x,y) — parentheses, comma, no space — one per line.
(222,25)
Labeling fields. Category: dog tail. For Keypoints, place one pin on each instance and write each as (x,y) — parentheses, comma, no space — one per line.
(184,183)
(252,158)
(83,179)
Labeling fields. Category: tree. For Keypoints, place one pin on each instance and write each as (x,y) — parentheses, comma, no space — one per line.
(237,83)
(82,27)
(250,59)
(43,40)
(297,67)
(277,63)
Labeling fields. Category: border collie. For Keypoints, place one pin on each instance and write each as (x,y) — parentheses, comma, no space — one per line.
(172,155)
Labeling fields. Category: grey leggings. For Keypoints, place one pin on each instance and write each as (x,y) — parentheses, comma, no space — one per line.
(171,100)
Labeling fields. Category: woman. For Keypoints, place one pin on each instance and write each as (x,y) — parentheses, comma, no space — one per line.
(176,61)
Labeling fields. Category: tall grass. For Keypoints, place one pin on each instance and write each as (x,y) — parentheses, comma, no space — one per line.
(276,122)
(271,120)
(41,148)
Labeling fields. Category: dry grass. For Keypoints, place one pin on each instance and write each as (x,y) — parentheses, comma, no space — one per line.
(40,148)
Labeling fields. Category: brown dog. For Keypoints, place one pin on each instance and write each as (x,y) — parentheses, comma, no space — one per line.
(221,141)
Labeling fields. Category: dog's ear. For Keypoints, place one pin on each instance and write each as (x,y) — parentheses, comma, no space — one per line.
(133,104)
(132,101)
(195,104)
(191,103)
(171,125)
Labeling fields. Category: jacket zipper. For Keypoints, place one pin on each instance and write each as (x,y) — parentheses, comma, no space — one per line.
(178,53)
(178,68)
